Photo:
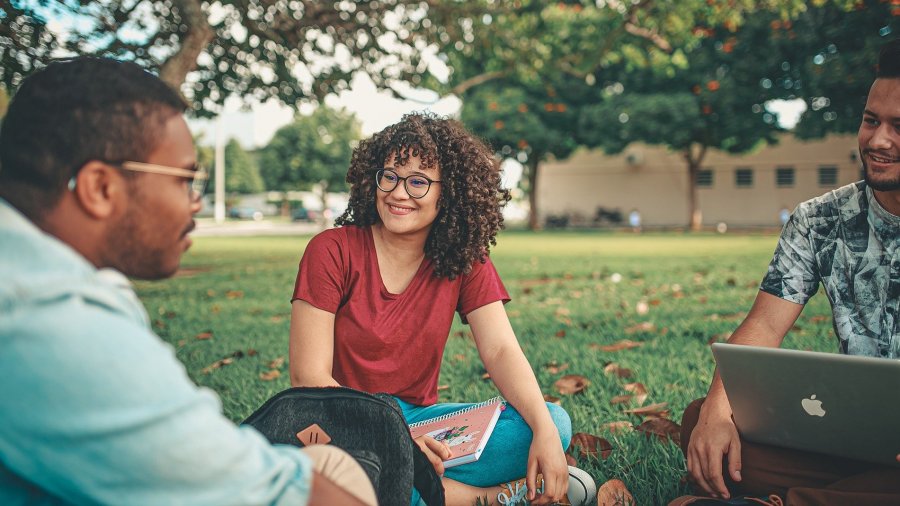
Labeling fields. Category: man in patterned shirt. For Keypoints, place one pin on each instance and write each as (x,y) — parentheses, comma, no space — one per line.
(849,241)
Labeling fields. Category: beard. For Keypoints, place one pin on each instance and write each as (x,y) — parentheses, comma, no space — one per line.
(881,182)
(135,249)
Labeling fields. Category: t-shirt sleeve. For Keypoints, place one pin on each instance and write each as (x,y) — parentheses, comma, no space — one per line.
(480,287)
(320,279)
(792,273)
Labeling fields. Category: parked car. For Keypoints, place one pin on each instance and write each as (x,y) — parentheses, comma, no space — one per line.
(304,214)
(245,213)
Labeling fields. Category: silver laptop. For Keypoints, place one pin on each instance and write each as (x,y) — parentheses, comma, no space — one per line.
(820,402)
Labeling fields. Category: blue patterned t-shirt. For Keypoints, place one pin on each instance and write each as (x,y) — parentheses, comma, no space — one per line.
(848,242)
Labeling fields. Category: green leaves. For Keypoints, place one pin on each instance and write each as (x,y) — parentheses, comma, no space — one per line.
(313,149)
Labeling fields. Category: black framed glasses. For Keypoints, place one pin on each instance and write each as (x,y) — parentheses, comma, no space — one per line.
(197,175)
(416,186)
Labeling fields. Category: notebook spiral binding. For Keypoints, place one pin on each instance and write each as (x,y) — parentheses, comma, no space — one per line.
(454,413)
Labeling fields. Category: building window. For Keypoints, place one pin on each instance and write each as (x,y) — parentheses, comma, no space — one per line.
(784,177)
(705,178)
(743,177)
(828,176)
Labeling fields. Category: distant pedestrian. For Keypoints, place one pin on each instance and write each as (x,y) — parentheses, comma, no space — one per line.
(634,220)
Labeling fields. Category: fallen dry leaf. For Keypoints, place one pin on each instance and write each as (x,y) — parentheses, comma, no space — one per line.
(571,384)
(618,426)
(269,375)
(217,364)
(277,363)
(818,319)
(204,335)
(639,391)
(443,387)
(650,410)
(556,368)
(613,368)
(459,357)
(621,399)
(589,445)
(614,493)
(486,376)
(251,352)
(553,400)
(234,294)
(640,327)
(655,302)
(560,333)
(624,344)
(662,428)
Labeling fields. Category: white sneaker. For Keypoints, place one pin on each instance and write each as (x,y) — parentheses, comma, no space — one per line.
(582,490)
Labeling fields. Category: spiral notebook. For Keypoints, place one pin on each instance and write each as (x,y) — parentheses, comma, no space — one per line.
(466,431)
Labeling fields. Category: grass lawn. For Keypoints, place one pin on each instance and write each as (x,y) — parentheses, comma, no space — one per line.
(572,294)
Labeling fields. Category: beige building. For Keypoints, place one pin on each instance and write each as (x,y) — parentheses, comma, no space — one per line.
(745,191)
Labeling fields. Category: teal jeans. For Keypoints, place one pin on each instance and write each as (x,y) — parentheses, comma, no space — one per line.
(505,457)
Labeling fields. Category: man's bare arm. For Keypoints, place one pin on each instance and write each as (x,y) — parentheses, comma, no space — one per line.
(715,435)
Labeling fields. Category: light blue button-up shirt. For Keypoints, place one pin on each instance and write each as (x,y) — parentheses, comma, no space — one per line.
(96,409)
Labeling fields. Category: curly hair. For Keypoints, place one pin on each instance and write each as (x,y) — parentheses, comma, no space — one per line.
(471,200)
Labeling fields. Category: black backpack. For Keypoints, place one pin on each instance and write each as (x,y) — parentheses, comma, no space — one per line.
(369,427)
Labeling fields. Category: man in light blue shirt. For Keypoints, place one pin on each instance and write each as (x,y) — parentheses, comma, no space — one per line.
(98,179)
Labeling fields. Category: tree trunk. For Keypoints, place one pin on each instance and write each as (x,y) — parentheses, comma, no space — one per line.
(531,169)
(198,35)
(325,218)
(694,162)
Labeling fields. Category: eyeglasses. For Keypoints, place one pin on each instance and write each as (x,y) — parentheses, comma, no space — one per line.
(416,186)
(197,174)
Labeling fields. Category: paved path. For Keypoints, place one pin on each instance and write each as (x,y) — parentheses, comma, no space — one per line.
(209,228)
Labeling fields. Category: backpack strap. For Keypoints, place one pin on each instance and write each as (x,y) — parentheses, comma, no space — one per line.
(426,480)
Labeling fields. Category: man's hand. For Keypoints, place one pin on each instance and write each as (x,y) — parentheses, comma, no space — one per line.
(714,437)
(436,451)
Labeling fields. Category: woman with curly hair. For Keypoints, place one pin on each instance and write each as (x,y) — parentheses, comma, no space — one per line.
(375,298)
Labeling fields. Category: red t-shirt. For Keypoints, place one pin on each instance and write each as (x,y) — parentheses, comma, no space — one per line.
(385,342)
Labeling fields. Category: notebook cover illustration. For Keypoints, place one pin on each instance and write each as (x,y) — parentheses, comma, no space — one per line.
(466,431)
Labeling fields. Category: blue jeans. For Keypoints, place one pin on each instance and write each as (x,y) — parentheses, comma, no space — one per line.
(505,457)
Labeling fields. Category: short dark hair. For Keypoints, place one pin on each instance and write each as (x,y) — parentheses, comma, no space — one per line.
(889,60)
(472,197)
(74,111)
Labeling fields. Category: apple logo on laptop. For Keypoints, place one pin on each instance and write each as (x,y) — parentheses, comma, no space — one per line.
(813,406)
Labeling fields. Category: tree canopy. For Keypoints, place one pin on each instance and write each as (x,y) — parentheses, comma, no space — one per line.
(314,149)
(294,51)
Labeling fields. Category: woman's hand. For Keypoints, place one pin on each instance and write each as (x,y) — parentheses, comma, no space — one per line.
(436,451)
(546,457)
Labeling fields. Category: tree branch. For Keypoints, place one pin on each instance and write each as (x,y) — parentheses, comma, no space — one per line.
(199,34)
(470,83)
